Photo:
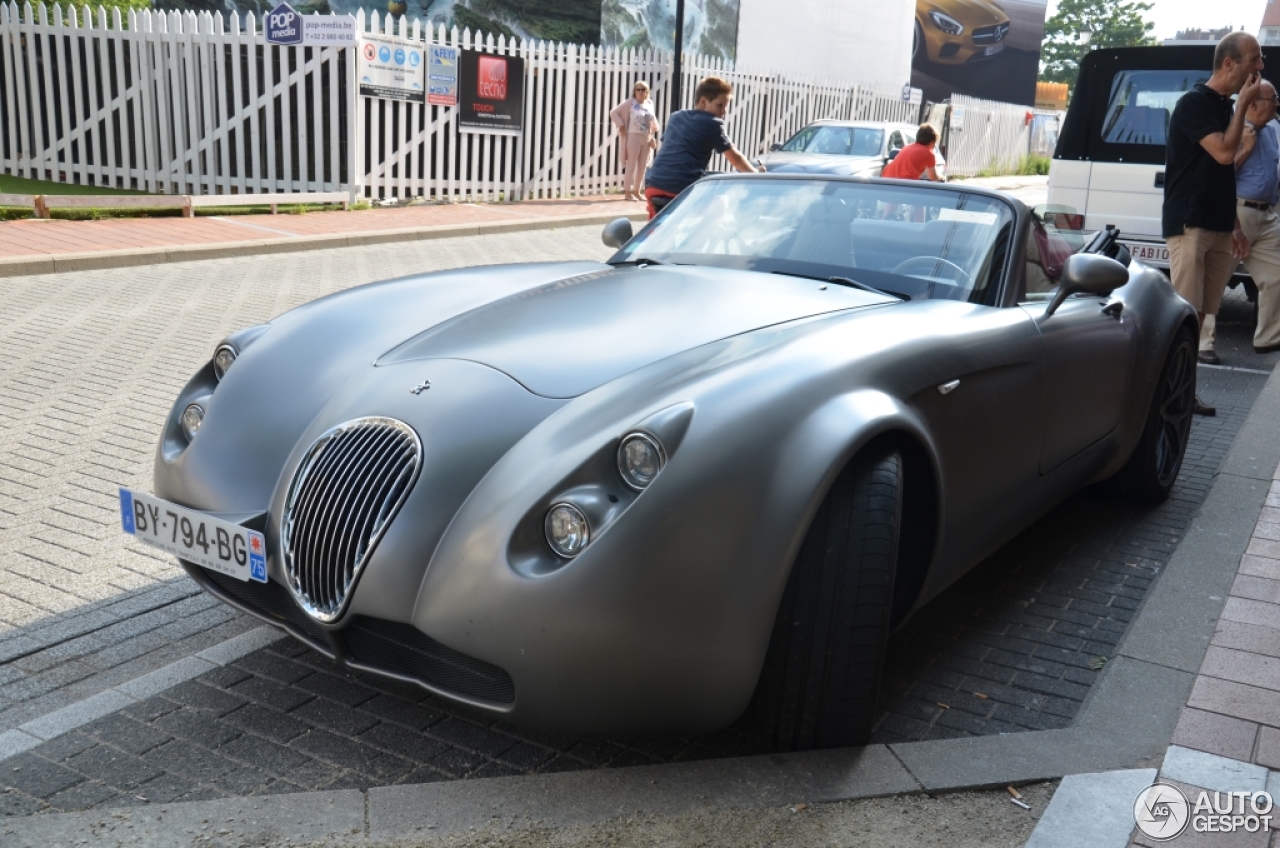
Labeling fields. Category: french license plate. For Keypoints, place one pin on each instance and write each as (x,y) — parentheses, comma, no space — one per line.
(215,544)
(1149,252)
(993,49)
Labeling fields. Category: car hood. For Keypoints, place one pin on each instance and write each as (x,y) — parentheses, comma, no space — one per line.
(567,337)
(819,163)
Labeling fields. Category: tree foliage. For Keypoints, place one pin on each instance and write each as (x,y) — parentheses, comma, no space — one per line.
(1083,25)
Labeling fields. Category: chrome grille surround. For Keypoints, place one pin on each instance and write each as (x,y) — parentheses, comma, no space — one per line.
(346,490)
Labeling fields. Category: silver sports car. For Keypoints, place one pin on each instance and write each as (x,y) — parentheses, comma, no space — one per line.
(707,476)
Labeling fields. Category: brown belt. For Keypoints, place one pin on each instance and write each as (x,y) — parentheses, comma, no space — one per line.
(1256,204)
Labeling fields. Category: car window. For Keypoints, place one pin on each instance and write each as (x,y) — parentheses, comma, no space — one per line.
(895,140)
(1141,103)
(836,141)
(919,242)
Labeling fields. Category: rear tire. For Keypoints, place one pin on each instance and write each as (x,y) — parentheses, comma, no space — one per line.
(821,675)
(1151,472)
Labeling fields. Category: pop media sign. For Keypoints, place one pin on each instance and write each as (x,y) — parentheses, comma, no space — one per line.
(284,25)
(491,93)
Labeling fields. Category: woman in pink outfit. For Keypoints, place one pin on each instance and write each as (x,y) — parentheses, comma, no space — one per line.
(637,125)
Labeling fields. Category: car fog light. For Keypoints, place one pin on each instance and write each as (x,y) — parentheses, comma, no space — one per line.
(640,458)
(222,359)
(192,418)
(946,23)
(567,530)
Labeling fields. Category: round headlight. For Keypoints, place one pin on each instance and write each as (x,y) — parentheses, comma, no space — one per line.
(567,530)
(222,359)
(640,458)
(192,418)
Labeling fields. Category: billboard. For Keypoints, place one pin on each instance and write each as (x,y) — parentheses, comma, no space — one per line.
(710,26)
(490,93)
(982,48)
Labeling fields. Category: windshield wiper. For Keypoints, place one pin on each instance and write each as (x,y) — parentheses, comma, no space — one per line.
(845,281)
(641,261)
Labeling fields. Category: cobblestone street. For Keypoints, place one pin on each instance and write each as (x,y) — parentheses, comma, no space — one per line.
(89,363)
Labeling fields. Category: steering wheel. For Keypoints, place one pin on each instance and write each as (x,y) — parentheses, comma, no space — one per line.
(931,265)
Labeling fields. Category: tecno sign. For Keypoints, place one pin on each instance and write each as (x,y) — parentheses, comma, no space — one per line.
(491,78)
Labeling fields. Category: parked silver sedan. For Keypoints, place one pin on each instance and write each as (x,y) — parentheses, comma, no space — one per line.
(843,148)
(705,476)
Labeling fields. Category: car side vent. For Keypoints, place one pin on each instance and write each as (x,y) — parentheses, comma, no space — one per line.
(350,484)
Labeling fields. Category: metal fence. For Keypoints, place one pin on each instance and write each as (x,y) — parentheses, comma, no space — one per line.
(188,103)
(987,136)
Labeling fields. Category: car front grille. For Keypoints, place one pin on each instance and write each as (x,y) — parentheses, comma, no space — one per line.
(347,489)
(405,650)
(990,34)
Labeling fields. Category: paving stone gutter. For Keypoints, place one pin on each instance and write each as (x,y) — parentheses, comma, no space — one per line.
(1126,723)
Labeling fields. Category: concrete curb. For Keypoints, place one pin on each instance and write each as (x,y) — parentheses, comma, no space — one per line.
(21,266)
(1125,724)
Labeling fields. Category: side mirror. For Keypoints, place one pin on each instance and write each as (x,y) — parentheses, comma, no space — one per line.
(1088,273)
(893,154)
(617,232)
(775,146)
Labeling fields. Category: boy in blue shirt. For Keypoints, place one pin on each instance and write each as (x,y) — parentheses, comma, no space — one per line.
(692,135)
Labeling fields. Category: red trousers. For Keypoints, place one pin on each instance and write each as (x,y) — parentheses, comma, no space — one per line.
(649,194)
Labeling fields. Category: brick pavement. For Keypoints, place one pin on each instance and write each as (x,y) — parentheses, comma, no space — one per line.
(282,719)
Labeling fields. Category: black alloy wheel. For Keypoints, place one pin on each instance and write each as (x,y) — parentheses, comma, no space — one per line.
(1151,471)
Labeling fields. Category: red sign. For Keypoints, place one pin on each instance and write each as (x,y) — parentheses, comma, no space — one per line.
(491,82)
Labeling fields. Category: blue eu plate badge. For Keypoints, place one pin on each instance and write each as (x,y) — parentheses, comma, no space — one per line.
(257,557)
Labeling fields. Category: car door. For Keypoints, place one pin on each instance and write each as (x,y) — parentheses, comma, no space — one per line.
(1089,354)
(983,405)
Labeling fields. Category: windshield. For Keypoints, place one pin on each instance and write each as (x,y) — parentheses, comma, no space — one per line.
(1141,103)
(837,141)
(917,242)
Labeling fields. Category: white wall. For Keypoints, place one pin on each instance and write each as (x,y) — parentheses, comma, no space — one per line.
(861,40)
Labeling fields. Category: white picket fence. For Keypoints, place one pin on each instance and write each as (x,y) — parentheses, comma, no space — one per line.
(187,103)
(992,136)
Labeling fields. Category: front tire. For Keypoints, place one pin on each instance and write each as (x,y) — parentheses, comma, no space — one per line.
(1153,468)
(821,674)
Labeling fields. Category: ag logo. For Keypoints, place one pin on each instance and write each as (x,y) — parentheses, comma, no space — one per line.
(492,82)
(1161,811)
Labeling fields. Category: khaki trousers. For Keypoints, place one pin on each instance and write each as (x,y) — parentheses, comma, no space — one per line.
(1262,228)
(1200,266)
(635,148)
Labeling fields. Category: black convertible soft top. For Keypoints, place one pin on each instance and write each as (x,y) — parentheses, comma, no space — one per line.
(1081,135)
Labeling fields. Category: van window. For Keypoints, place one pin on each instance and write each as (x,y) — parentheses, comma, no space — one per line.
(1141,103)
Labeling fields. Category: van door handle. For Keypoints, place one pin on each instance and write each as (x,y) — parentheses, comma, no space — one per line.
(1159,179)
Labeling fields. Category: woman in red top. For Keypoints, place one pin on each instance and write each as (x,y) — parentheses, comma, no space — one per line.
(916,161)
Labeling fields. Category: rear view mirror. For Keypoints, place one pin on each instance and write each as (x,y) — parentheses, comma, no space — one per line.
(1088,273)
(617,232)
(775,146)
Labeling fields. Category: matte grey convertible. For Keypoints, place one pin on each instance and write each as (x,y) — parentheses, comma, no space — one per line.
(710,475)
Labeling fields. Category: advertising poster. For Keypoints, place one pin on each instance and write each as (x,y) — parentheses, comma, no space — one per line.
(442,75)
(710,26)
(391,68)
(491,90)
(982,48)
